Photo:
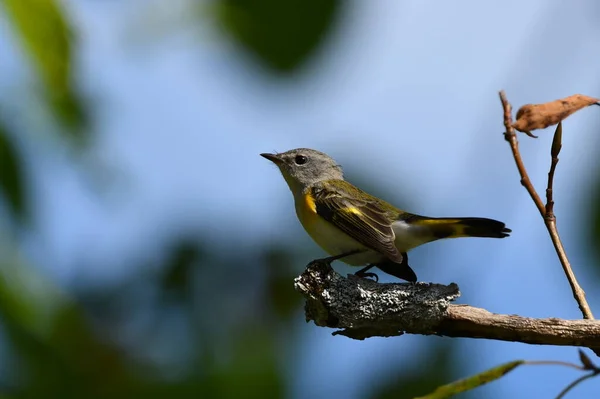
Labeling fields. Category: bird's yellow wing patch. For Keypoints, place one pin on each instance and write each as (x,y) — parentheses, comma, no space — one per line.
(352,210)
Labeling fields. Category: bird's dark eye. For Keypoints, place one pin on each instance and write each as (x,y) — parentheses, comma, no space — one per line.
(300,159)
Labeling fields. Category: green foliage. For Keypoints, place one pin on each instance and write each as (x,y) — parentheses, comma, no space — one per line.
(253,366)
(477,380)
(11,176)
(42,28)
(241,311)
(282,298)
(594,234)
(281,35)
(176,280)
(408,382)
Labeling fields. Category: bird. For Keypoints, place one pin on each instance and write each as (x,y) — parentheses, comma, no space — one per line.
(360,229)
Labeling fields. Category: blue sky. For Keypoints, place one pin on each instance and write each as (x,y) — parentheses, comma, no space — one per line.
(404,92)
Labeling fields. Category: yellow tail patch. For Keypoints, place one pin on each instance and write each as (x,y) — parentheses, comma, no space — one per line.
(464,227)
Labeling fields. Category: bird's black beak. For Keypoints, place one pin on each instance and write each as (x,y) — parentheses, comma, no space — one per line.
(273,158)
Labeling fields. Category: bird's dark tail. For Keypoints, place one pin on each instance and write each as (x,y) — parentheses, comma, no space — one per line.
(464,227)
(474,227)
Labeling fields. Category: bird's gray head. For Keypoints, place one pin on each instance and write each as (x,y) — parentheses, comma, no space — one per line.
(302,167)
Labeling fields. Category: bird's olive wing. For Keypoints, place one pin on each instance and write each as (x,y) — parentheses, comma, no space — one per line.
(357,215)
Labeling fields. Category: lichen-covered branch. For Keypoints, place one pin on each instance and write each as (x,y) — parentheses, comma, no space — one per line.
(360,308)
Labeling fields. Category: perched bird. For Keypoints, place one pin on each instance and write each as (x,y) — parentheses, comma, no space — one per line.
(358,228)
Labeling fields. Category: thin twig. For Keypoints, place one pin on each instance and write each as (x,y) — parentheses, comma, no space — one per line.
(586,364)
(550,222)
(575,383)
(511,136)
(555,363)
(578,292)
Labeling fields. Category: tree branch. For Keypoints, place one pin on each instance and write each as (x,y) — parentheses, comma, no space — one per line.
(547,211)
(360,308)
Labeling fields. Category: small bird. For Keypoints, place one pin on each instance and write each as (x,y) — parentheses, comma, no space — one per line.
(358,228)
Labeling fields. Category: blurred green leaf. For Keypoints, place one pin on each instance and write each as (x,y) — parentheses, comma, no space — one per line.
(45,34)
(282,35)
(184,257)
(280,282)
(252,370)
(57,353)
(93,366)
(11,177)
(594,234)
(418,379)
(477,380)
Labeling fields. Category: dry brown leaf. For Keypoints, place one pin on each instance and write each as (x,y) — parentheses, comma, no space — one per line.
(539,116)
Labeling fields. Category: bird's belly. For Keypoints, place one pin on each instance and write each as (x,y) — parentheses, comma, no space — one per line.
(333,240)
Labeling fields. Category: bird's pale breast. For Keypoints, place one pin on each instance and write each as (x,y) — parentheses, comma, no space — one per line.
(330,238)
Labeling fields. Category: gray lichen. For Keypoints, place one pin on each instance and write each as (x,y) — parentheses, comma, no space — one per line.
(362,308)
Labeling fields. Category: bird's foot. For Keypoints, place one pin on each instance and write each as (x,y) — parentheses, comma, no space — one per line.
(364,273)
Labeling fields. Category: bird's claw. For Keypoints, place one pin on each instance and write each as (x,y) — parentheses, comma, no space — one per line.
(368,276)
